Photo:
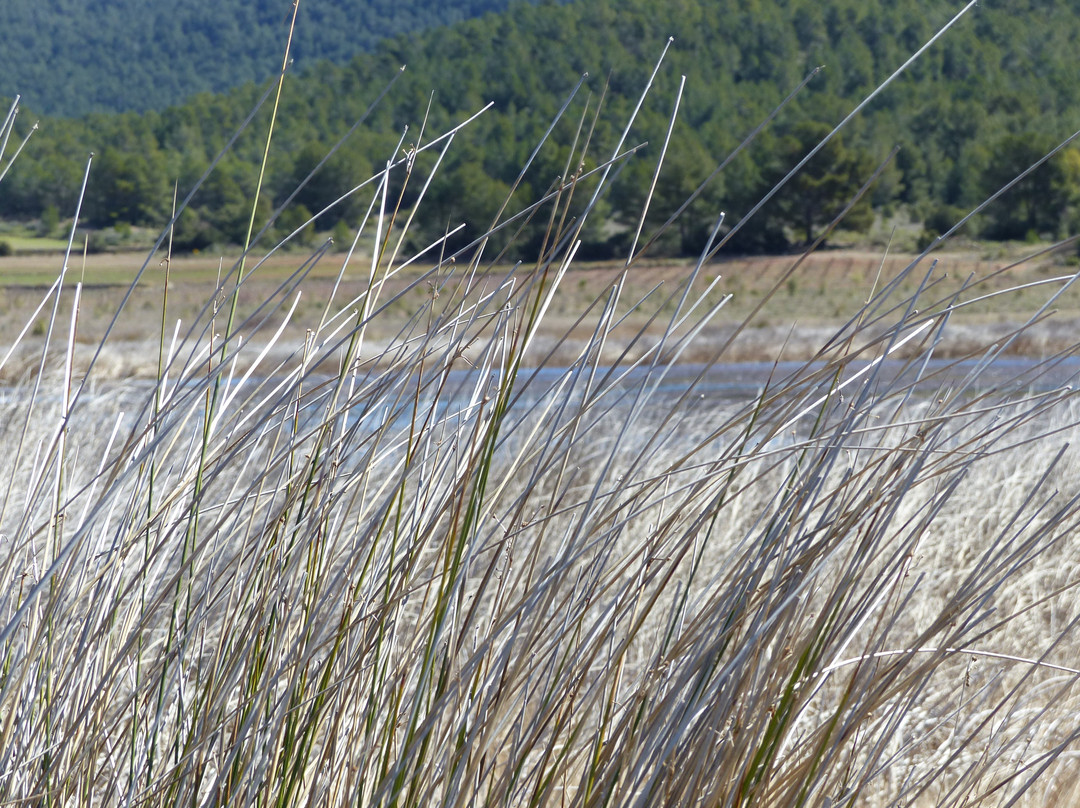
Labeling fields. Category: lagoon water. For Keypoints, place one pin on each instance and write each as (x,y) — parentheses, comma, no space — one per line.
(382,403)
(743,381)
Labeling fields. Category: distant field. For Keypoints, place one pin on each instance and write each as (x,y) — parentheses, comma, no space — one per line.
(34,244)
(804,307)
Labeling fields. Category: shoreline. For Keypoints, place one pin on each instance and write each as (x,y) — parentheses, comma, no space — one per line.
(768,345)
(764,312)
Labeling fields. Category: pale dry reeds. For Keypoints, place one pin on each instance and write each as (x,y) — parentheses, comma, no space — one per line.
(450,571)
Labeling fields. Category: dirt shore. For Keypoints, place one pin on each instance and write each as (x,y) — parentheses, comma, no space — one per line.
(779,306)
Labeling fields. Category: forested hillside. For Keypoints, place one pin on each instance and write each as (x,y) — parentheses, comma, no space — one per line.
(69,57)
(996,93)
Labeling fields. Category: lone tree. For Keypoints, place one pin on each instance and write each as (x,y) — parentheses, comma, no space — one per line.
(819,192)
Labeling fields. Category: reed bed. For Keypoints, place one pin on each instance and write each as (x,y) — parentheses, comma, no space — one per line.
(449,570)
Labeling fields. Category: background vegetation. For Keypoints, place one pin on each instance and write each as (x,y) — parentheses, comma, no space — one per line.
(983,103)
(71,57)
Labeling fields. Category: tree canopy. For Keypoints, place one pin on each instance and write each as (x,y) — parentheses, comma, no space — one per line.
(70,57)
(995,93)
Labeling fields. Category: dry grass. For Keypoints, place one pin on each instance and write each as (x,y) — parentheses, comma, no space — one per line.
(805,311)
(408,547)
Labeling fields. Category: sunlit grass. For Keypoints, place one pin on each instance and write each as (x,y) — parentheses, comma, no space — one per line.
(34,244)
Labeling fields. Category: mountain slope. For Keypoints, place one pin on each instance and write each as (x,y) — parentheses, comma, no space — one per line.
(68,57)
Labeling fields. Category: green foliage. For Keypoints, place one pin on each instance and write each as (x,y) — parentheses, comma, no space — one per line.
(980,105)
(829,182)
(342,235)
(69,58)
(292,219)
(680,176)
(131,185)
(1041,202)
(50,220)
